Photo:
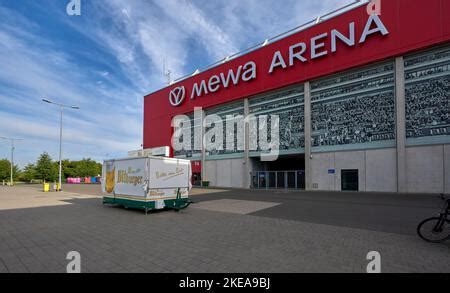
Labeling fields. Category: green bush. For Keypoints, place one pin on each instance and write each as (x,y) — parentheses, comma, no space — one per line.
(5,171)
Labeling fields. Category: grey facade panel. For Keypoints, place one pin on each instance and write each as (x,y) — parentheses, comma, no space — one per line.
(427,97)
(354,125)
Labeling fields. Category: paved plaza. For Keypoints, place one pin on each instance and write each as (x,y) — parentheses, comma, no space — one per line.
(225,231)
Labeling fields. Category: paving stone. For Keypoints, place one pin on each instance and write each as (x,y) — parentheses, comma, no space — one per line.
(213,237)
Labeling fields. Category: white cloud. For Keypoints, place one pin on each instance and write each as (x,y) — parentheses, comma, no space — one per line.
(110,119)
(200,26)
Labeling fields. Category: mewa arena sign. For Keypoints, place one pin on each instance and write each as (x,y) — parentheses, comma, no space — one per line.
(300,52)
(347,40)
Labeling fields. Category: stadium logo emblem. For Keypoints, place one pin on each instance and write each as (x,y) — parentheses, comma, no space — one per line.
(177,95)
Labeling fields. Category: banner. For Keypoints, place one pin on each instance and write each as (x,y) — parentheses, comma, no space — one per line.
(125,177)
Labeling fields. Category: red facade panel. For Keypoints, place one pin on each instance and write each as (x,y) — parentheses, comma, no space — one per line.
(412,25)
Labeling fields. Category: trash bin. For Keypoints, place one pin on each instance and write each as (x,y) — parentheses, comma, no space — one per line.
(46,187)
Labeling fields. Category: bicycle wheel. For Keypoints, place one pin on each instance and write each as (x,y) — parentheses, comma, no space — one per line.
(434,230)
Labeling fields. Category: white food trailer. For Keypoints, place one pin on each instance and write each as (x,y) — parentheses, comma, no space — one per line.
(148,183)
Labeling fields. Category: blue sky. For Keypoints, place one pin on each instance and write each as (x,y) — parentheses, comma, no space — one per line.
(112,55)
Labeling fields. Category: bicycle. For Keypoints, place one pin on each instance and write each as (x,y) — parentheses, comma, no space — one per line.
(437,229)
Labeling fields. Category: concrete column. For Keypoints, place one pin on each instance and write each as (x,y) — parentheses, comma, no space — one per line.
(308,153)
(203,149)
(400,123)
(246,161)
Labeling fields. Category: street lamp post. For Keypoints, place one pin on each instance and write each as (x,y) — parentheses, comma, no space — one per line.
(61,106)
(12,156)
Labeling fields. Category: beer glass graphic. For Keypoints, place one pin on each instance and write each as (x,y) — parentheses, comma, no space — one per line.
(110,177)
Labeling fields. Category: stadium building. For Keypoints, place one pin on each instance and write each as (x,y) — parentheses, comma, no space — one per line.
(362,99)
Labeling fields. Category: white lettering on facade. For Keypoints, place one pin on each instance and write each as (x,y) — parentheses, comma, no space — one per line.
(368,31)
(315,46)
(350,41)
(214,84)
(297,53)
(277,61)
(244,73)
(249,71)
(198,91)
(231,76)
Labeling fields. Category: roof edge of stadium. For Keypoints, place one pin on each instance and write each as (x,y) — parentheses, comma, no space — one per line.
(309,24)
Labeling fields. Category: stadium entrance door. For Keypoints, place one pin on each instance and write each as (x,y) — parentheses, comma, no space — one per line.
(350,180)
(288,172)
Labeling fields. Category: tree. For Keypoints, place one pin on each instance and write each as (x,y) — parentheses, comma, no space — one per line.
(45,168)
(69,169)
(87,168)
(5,170)
(28,173)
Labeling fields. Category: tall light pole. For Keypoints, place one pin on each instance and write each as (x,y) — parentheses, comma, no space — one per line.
(61,107)
(12,155)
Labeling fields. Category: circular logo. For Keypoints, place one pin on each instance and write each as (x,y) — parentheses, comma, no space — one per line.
(177,95)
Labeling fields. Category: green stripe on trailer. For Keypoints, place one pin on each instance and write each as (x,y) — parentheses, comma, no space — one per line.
(128,203)
(175,204)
